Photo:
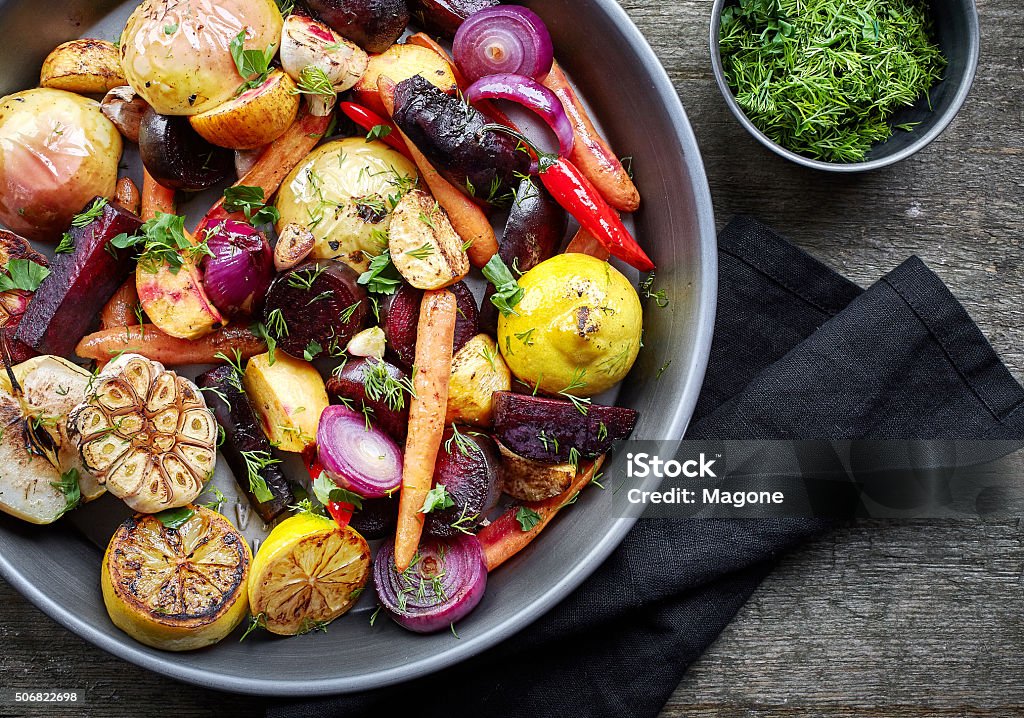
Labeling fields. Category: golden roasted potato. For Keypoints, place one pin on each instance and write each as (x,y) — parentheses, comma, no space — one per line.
(477,372)
(400,62)
(529,480)
(87,66)
(289,396)
(425,248)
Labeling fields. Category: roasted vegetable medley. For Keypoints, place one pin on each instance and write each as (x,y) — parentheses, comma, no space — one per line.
(325,301)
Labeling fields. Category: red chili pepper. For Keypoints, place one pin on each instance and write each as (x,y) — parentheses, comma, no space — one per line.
(584,202)
(368,119)
(339,511)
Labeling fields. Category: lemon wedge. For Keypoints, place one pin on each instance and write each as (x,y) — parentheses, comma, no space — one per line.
(308,572)
(177,589)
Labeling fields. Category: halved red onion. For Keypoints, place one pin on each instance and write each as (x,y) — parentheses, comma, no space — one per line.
(533,96)
(237,276)
(443,585)
(360,458)
(503,39)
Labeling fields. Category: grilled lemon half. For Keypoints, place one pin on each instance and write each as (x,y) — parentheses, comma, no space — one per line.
(308,572)
(177,589)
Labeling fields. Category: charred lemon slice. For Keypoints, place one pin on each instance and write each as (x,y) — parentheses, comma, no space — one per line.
(308,572)
(147,434)
(176,589)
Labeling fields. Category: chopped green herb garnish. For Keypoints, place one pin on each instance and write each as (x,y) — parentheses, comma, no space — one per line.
(314,81)
(382,277)
(825,78)
(326,491)
(250,201)
(378,132)
(69,487)
(175,518)
(527,518)
(507,293)
(94,212)
(437,500)
(67,244)
(252,65)
(256,462)
(22,274)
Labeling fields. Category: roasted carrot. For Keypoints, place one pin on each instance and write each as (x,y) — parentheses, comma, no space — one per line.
(466,217)
(274,165)
(435,333)
(152,343)
(120,311)
(127,195)
(586,243)
(504,537)
(591,153)
(155,198)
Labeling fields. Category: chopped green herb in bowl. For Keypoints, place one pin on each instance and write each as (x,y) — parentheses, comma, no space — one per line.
(825,78)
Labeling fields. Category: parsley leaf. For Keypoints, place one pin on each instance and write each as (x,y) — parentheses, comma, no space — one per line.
(253,65)
(326,491)
(250,201)
(255,462)
(378,132)
(382,277)
(527,518)
(163,241)
(23,274)
(437,500)
(508,292)
(175,518)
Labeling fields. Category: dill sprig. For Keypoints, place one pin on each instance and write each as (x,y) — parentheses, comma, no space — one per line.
(824,78)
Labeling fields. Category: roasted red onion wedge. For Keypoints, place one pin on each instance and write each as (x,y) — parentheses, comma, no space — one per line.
(442,585)
(358,456)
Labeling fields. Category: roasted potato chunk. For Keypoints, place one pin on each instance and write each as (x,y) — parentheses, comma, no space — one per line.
(88,67)
(529,480)
(289,396)
(477,372)
(424,246)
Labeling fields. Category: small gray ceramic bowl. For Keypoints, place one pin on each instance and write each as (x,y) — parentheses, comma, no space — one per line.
(956,26)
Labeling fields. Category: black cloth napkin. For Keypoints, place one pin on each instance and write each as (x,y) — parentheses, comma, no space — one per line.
(799,352)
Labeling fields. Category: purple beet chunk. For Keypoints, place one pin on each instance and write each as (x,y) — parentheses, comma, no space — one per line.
(388,416)
(468,469)
(80,283)
(377,518)
(402,316)
(546,429)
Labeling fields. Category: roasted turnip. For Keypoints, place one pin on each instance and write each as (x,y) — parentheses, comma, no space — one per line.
(556,431)
(177,157)
(176,53)
(57,152)
(401,317)
(86,66)
(374,25)
(316,308)
(451,134)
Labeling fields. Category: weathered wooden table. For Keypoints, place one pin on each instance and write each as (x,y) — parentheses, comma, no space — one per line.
(877,619)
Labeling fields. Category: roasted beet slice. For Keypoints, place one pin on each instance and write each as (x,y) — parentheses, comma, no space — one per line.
(535,229)
(80,283)
(316,308)
(378,385)
(402,315)
(377,518)
(243,435)
(443,17)
(451,134)
(467,466)
(546,429)
(178,158)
